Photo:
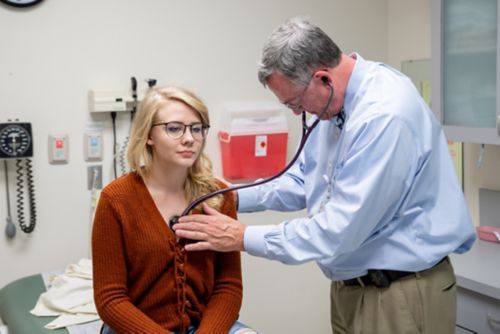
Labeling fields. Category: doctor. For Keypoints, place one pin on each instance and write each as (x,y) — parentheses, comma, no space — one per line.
(384,208)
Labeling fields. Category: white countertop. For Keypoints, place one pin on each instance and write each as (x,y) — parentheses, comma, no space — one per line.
(479,269)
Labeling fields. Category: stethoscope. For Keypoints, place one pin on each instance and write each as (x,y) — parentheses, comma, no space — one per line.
(306,132)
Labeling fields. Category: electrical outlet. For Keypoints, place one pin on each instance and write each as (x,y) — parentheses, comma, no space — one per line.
(94,177)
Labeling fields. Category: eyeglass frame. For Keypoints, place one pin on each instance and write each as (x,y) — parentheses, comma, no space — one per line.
(295,106)
(204,129)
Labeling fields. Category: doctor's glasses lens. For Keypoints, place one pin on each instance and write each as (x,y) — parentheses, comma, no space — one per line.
(176,130)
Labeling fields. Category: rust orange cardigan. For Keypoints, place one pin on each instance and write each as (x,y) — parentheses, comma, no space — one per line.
(138,268)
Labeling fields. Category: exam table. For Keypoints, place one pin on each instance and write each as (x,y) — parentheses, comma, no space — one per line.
(17,299)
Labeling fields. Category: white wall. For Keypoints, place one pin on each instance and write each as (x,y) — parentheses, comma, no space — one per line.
(409,30)
(52,55)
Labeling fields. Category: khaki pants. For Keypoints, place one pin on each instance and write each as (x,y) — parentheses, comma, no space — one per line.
(422,303)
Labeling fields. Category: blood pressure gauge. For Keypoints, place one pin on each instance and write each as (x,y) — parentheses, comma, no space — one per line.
(15,140)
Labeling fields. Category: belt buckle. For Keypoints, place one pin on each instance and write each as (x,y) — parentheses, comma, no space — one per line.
(379,278)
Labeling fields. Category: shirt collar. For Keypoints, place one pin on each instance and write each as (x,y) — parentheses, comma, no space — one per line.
(354,81)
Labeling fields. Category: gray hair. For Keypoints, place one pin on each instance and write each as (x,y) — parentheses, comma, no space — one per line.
(295,49)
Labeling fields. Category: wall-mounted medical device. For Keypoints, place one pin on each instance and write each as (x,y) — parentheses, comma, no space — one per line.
(117,101)
(58,149)
(101,101)
(16,143)
(92,145)
(15,140)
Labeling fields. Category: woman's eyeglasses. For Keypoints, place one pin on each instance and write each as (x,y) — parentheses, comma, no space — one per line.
(176,130)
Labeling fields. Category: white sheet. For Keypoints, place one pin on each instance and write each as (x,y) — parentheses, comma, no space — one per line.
(69,296)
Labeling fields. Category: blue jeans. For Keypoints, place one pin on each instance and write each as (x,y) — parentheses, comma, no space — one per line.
(191,329)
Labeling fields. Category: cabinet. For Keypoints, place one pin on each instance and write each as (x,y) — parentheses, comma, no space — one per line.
(478,292)
(477,313)
(465,55)
(478,276)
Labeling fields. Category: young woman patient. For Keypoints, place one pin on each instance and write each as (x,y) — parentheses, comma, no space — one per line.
(144,282)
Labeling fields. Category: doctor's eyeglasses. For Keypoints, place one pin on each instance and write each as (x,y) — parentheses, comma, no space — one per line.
(298,104)
(176,130)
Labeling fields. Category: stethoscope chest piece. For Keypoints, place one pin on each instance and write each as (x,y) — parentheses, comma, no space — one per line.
(173,220)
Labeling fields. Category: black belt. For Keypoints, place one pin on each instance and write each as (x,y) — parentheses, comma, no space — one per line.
(382,278)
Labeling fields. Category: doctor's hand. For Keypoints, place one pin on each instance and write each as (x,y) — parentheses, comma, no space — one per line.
(212,231)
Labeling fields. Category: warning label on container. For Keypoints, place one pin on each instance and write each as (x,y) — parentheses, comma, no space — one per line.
(261,146)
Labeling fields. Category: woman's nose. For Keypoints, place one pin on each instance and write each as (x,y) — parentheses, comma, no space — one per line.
(188,135)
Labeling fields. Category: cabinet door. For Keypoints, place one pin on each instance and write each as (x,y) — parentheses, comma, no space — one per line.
(465,75)
(477,313)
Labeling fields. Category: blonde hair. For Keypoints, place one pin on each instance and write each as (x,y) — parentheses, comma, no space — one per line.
(200,180)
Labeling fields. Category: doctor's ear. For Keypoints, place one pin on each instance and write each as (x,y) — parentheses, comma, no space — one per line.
(324,76)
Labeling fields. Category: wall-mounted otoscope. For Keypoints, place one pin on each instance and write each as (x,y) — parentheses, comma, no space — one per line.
(306,131)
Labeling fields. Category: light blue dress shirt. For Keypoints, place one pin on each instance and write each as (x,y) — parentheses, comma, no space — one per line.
(381,193)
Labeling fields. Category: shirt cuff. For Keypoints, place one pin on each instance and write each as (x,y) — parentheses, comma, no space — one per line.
(254,240)
(247,199)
